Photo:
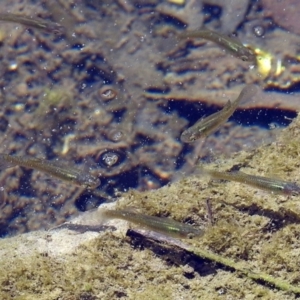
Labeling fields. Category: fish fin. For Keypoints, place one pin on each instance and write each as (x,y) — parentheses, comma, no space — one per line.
(274,176)
(201,170)
(247,94)
(132,209)
(227,105)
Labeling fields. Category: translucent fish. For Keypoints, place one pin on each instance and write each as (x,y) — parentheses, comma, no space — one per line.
(72,175)
(37,23)
(165,226)
(272,185)
(212,123)
(232,45)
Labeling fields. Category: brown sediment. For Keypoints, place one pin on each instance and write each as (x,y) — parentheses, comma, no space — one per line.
(285,14)
(85,124)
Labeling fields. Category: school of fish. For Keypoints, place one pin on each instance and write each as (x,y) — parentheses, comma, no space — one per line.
(201,129)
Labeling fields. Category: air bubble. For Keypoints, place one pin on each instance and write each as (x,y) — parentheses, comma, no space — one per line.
(110,158)
(117,136)
(107,93)
(114,134)
(258,30)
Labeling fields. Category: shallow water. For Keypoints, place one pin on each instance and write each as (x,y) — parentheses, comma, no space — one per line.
(56,105)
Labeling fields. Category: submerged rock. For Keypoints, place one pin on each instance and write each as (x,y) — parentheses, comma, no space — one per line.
(254,231)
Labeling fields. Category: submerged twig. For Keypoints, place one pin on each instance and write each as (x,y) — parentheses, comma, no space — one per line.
(257,276)
(236,266)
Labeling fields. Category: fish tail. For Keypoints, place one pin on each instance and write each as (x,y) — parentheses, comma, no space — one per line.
(247,93)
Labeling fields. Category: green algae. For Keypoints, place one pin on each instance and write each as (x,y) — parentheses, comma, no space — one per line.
(57,104)
(54,98)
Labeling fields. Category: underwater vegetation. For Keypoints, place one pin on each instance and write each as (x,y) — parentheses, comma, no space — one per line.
(112,94)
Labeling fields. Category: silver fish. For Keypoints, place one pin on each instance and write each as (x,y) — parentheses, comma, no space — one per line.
(75,176)
(37,23)
(232,45)
(212,123)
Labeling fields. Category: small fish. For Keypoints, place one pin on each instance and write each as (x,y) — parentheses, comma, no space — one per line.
(272,185)
(72,175)
(212,123)
(37,23)
(232,45)
(165,226)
